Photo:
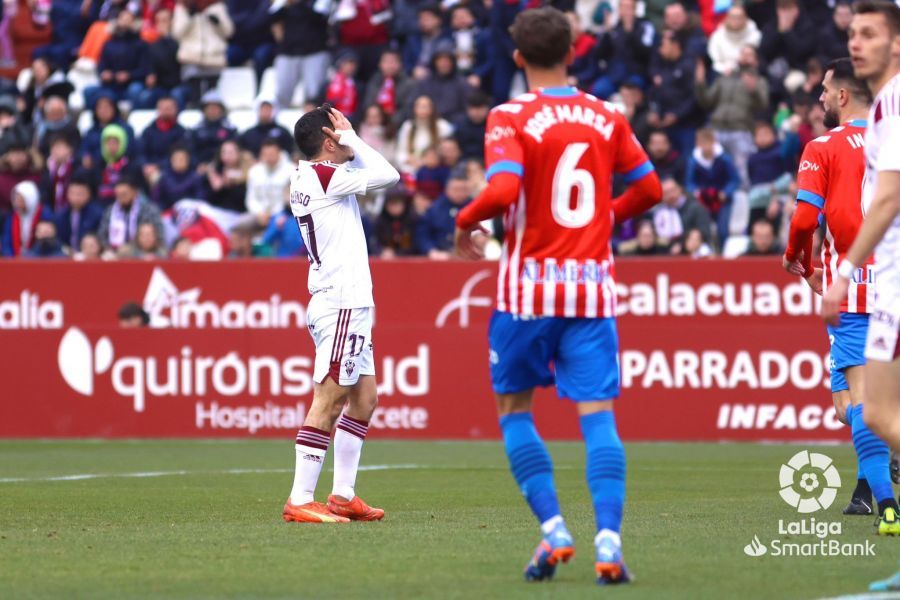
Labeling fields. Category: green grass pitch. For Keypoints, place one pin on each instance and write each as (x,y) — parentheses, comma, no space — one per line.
(206,523)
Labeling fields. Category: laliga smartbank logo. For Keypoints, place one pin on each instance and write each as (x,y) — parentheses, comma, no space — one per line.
(808,482)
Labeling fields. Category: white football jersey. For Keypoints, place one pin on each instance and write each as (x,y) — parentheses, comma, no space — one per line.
(883,154)
(323,202)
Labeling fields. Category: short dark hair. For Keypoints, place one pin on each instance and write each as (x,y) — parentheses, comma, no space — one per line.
(131,310)
(543,36)
(271,142)
(842,71)
(82,177)
(889,10)
(308,131)
(478,98)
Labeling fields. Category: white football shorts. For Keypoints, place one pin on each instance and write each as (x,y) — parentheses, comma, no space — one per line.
(343,339)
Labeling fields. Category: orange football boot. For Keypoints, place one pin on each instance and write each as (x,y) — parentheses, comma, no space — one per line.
(355,510)
(311,512)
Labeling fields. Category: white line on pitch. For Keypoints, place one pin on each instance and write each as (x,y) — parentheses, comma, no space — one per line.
(144,474)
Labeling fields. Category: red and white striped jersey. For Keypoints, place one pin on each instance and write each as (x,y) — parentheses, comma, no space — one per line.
(830,178)
(565,145)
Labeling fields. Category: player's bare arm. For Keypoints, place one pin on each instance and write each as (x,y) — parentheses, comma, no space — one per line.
(884,209)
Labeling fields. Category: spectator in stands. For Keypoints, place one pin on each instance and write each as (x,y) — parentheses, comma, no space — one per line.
(241,244)
(90,248)
(711,177)
(377,130)
(67,18)
(832,39)
(770,177)
(18,234)
(46,243)
(424,130)
(447,89)
(677,19)
(19,164)
(449,153)
(122,218)
(725,44)
(57,173)
(283,235)
(252,38)
(268,182)
(105,112)
(341,91)
(181,249)
(431,176)
(787,45)
(266,128)
(667,161)
(300,28)
(82,214)
(637,111)
(678,213)
(469,130)
(395,226)
(178,180)
(624,51)
(215,129)
(420,47)
(694,245)
(57,121)
(227,178)
(733,101)
(8,10)
(45,82)
(504,69)
(762,240)
(202,29)
(124,63)
(145,246)
(114,144)
(164,71)
(645,242)
(13,130)
(672,103)
(434,231)
(365,32)
(471,44)
(583,68)
(133,316)
(390,88)
(159,137)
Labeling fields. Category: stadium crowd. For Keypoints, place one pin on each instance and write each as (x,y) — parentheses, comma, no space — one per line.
(121,138)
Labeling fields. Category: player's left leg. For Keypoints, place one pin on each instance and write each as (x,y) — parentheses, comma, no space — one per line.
(349,436)
(587,371)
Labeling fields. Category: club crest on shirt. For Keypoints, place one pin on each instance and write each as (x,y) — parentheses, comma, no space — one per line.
(349,365)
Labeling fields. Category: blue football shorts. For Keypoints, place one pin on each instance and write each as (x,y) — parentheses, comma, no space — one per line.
(848,347)
(579,355)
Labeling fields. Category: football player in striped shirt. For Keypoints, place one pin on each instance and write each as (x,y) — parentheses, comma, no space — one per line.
(829,183)
(551,154)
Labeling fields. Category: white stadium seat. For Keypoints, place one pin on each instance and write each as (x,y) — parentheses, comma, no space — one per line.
(190,119)
(287,118)
(85,121)
(243,119)
(267,86)
(735,245)
(23,80)
(238,87)
(140,119)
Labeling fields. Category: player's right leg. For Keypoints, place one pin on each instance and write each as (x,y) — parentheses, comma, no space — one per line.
(519,361)
(587,372)
(848,350)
